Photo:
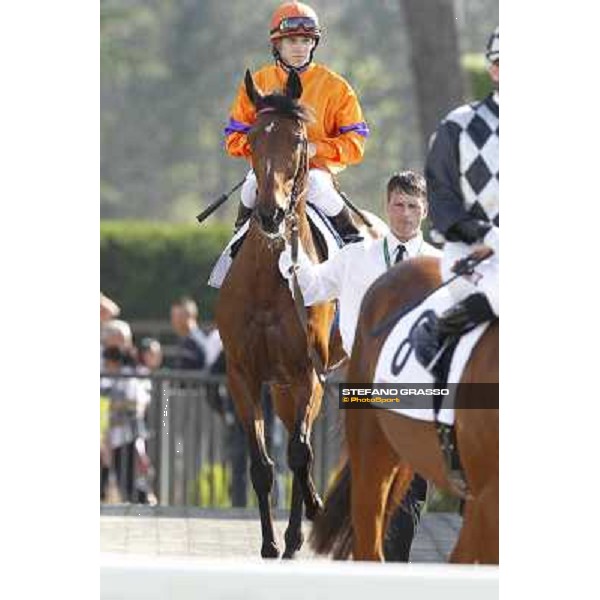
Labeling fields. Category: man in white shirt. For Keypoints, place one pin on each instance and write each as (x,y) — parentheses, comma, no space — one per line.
(347,276)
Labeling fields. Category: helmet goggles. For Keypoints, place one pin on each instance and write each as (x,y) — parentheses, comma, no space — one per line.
(293,24)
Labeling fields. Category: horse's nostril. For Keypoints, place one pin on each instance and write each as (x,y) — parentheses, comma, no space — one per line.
(267,222)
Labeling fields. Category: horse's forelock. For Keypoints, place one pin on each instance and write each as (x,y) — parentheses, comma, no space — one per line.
(286,106)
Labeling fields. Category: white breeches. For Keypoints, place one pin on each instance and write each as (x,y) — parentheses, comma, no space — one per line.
(485,278)
(320,192)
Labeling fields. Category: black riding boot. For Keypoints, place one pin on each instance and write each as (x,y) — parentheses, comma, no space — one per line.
(430,336)
(345,226)
(243,215)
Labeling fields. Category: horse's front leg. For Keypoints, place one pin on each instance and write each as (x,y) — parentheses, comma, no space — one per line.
(246,395)
(294,538)
(307,398)
(262,475)
(284,406)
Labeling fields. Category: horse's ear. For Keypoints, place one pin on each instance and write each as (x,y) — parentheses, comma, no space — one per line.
(252,91)
(293,87)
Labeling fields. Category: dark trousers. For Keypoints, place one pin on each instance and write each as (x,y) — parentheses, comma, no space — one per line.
(124,465)
(404,522)
(104,472)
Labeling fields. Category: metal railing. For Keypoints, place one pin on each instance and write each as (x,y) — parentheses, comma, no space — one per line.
(194,440)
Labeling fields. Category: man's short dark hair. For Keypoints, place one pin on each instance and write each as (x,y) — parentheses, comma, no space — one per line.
(188,304)
(410,183)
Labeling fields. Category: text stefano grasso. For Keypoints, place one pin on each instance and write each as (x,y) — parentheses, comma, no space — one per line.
(385,391)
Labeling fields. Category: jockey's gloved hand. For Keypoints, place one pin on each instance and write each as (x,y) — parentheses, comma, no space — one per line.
(286,266)
(469,231)
(285,262)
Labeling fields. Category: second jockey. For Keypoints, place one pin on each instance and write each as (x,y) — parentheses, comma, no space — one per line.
(337,135)
(462,173)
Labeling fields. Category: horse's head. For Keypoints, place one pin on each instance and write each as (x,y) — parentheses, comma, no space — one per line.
(279,146)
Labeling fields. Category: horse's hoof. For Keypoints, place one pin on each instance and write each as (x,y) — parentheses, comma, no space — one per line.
(292,546)
(269,550)
(314,508)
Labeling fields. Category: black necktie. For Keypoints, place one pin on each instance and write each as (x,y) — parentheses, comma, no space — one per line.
(400,252)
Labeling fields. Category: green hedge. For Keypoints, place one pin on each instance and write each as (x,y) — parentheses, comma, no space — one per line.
(144,266)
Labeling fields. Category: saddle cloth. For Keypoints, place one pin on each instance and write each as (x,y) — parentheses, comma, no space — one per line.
(224,261)
(397,363)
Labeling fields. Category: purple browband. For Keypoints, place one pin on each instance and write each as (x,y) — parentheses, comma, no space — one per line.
(360,128)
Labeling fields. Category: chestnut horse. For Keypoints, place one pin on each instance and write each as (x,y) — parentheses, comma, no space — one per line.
(384,448)
(264,338)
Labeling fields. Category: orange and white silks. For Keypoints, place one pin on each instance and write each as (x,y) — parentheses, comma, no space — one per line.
(338,132)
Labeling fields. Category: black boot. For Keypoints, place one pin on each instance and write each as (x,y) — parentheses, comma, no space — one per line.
(243,215)
(345,226)
(431,335)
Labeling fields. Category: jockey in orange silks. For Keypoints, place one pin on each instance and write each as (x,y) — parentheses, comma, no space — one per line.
(337,135)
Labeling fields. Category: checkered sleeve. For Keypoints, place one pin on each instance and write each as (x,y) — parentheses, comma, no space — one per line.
(442,172)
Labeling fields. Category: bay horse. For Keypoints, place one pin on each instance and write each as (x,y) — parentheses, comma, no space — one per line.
(264,339)
(385,448)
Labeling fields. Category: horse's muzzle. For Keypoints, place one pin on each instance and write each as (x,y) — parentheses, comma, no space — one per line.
(270,221)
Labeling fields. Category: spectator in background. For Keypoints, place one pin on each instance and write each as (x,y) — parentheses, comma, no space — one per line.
(116,350)
(150,359)
(128,402)
(192,340)
(197,350)
(108,309)
(150,355)
(117,334)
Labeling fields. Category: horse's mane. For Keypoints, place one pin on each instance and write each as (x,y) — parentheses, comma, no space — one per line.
(287,107)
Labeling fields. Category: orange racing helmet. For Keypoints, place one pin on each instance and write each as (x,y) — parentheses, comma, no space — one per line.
(294,18)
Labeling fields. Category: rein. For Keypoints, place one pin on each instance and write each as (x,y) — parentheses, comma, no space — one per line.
(291,218)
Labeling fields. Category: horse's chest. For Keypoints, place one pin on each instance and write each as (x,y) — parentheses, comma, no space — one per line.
(265,319)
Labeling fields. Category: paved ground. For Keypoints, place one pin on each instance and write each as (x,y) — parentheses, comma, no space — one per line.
(233,533)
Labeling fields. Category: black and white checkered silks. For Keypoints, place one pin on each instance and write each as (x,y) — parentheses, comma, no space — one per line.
(478,144)
(462,170)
